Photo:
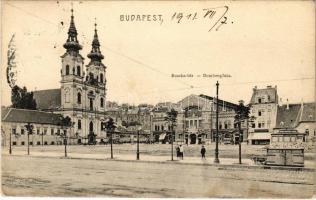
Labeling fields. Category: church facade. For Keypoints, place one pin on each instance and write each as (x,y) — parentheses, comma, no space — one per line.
(82,94)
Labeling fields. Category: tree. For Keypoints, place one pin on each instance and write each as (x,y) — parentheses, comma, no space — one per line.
(242,115)
(29,127)
(11,64)
(172,118)
(21,98)
(110,126)
(65,122)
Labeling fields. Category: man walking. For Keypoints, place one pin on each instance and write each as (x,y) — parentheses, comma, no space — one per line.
(203,150)
(181,152)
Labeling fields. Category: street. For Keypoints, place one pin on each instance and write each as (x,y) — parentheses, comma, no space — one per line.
(36,176)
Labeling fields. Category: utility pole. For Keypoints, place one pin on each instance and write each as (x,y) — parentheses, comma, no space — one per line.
(216,160)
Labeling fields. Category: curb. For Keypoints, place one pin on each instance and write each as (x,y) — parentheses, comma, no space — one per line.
(220,166)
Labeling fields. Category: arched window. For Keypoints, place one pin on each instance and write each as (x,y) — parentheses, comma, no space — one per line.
(79,124)
(91,104)
(67,96)
(101,102)
(79,98)
(67,69)
(78,71)
(101,78)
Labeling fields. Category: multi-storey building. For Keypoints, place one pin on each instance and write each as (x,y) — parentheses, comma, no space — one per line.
(263,107)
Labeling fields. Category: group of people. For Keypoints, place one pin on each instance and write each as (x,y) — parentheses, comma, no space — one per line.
(179,150)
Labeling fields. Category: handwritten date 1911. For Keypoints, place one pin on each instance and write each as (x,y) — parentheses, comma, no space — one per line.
(216,16)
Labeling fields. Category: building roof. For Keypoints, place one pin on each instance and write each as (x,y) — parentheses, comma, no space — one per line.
(270,93)
(32,116)
(308,113)
(48,99)
(220,101)
(289,116)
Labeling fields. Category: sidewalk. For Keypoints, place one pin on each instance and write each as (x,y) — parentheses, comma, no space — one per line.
(228,162)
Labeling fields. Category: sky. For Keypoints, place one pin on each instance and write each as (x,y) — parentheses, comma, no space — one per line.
(262,43)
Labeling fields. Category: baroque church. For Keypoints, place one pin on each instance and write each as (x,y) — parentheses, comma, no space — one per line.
(82,93)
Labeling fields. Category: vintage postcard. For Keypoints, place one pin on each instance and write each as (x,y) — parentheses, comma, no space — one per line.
(158,99)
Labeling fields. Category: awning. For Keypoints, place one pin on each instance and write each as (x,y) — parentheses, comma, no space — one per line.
(259,136)
(162,136)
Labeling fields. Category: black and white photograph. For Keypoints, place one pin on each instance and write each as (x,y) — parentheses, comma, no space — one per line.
(158,99)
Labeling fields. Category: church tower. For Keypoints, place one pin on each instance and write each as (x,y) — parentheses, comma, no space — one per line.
(96,69)
(95,76)
(72,65)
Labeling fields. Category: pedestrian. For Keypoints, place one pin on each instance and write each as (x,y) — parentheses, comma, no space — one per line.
(178,151)
(181,152)
(203,150)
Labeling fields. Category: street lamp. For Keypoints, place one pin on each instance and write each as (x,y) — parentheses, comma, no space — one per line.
(216,160)
(139,128)
(42,137)
(65,142)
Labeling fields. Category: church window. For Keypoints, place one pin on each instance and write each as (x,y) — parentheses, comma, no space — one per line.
(101,102)
(67,96)
(78,70)
(79,124)
(91,127)
(67,69)
(101,78)
(91,104)
(79,98)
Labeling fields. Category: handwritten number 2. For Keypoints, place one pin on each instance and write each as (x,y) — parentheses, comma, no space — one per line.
(222,22)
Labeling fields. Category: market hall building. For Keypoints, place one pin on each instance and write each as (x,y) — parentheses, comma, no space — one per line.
(196,122)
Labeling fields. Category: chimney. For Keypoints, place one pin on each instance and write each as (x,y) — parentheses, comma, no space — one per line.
(269,86)
(255,88)
(287,104)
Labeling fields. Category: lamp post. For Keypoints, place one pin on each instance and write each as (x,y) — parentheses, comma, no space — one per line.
(10,146)
(65,142)
(151,127)
(28,144)
(111,130)
(42,138)
(137,152)
(216,160)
